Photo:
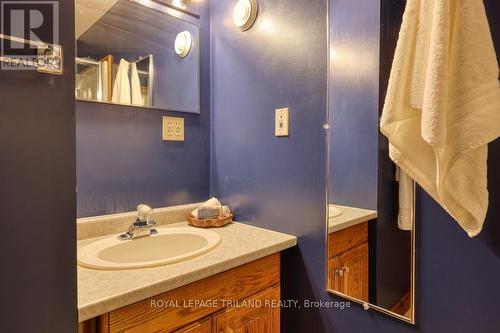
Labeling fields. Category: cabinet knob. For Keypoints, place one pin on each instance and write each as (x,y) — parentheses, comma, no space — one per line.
(340,271)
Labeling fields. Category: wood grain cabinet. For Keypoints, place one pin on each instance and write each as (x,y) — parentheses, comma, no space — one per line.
(201,327)
(348,261)
(244,299)
(257,316)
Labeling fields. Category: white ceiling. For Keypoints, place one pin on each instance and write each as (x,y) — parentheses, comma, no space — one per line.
(89,12)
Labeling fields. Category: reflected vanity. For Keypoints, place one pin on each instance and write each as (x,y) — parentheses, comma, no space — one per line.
(370,260)
(139,53)
(370,223)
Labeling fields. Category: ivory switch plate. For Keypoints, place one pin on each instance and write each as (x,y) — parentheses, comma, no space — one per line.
(173,129)
(282,123)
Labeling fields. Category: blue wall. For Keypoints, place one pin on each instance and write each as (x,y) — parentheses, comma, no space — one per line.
(353,103)
(122,160)
(280,62)
(278,183)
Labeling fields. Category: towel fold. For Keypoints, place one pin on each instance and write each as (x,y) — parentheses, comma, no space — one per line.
(136,85)
(121,87)
(406,200)
(443,104)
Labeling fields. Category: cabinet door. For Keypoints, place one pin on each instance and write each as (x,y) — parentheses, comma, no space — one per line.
(254,315)
(355,272)
(334,271)
(201,327)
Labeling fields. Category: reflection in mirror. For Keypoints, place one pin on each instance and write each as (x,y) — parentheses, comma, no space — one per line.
(127,53)
(370,207)
(189,6)
(370,241)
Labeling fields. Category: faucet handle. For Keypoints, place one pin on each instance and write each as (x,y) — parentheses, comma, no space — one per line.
(144,212)
(148,223)
(143,225)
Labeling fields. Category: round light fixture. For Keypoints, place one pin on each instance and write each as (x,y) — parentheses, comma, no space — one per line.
(245,14)
(183,43)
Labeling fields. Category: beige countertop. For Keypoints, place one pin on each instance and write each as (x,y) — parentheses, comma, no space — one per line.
(350,217)
(100,292)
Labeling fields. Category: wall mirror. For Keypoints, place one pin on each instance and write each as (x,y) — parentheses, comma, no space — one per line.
(370,228)
(141,53)
(188,6)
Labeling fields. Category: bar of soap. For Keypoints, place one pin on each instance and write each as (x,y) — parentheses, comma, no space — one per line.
(205,213)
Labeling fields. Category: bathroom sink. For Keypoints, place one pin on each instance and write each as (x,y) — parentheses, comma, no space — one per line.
(168,246)
(334,211)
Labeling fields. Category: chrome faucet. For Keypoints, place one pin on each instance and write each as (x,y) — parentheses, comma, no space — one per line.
(143,225)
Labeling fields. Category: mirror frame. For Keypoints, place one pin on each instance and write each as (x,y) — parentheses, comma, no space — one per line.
(366,305)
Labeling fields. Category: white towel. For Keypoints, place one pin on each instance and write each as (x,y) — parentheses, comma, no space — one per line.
(406,200)
(104,79)
(443,104)
(121,87)
(136,85)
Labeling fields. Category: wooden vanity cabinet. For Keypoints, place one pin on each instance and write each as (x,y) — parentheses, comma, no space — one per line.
(248,298)
(255,319)
(200,327)
(348,261)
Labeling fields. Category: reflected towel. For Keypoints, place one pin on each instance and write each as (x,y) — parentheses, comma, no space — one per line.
(442,105)
(104,78)
(121,87)
(136,85)
(406,200)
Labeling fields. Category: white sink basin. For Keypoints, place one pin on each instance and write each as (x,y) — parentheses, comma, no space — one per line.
(334,211)
(170,245)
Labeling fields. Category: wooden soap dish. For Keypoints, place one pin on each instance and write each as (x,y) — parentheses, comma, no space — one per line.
(210,223)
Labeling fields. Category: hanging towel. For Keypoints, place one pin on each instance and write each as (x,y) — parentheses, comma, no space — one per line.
(104,78)
(136,85)
(121,87)
(443,104)
(406,200)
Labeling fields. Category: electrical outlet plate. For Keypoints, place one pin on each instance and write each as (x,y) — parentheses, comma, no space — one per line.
(282,122)
(173,129)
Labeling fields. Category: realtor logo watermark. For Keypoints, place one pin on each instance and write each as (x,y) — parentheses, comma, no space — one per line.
(27,27)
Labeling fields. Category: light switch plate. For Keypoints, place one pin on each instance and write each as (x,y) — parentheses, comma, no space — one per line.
(282,122)
(173,129)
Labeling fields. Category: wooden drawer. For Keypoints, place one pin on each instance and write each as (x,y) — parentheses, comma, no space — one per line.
(236,284)
(346,239)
